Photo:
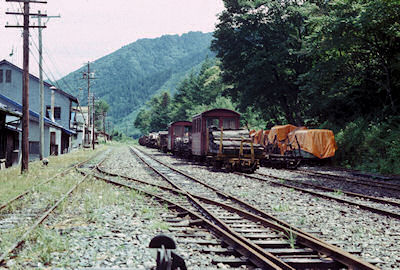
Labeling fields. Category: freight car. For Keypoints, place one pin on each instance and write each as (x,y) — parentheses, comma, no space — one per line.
(217,139)
(162,141)
(152,140)
(287,145)
(179,138)
(143,140)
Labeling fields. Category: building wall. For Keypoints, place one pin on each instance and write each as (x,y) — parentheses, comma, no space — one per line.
(34,137)
(13,91)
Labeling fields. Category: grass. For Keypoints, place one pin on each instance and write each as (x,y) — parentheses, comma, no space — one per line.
(282,207)
(83,213)
(301,221)
(337,192)
(12,182)
(46,243)
(291,238)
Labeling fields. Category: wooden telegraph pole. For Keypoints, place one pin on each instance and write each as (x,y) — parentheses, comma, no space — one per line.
(93,135)
(41,84)
(25,78)
(89,76)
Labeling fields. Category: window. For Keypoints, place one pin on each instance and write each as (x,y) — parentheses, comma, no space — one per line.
(34,148)
(57,112)
(196,125)
(178,130)
(8,76)
(213,122)
(229,123)
(1,75)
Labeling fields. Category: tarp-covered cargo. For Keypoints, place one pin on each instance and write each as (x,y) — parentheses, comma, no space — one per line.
(319,142)
(260,136)
(280,133)
(278,136)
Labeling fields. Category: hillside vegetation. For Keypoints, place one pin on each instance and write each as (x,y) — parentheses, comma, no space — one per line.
(127,78)
(324,64)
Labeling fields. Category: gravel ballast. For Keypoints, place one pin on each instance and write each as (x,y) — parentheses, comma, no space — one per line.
(373,235)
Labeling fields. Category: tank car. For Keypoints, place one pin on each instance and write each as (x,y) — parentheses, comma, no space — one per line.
(218,139)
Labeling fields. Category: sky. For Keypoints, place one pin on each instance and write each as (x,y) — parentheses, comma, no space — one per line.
(90,29)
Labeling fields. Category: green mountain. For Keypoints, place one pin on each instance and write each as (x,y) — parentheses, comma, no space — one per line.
(128,77)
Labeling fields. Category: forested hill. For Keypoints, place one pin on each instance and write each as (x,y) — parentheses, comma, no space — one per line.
(127,78)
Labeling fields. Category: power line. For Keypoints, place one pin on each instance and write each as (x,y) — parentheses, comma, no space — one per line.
(25,81)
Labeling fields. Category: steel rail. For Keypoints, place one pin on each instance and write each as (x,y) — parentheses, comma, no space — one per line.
(353,180)
(22,239)
(21,195)
(243,248)
(304,238)
(362,206)
(274,261)
(352,194)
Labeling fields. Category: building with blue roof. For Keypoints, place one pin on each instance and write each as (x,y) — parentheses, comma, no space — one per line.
(58,133)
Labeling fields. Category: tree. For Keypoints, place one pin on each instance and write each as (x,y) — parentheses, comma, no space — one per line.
(101,108)
(354,45)
(260,46)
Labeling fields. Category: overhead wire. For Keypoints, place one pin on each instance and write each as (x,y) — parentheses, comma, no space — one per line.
(44,61)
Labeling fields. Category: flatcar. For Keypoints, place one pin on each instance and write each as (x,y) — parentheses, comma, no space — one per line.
(179,138)
(312,145)
(218,139)
(288,145)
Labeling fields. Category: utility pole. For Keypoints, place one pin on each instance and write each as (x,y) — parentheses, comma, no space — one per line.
(93,136)
(88,76)
(41,84)
(25,78)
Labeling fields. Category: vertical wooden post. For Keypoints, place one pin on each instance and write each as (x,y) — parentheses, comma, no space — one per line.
(93,136)
(25,93)
(41,111)
(25,78)
(88,96)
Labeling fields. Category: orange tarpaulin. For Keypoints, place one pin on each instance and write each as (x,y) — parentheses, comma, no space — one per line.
(260,136)
(319,142)
(280,133)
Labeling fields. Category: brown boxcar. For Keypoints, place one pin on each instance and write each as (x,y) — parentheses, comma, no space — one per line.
(217,137)
(179,135)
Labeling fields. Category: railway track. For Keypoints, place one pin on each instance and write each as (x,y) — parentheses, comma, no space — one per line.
(376,205)
(264,240)
(22,215)
(356,180)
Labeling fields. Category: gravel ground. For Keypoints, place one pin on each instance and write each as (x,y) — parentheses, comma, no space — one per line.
(132,166)
(386,193)
(103,226)
(373,235)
